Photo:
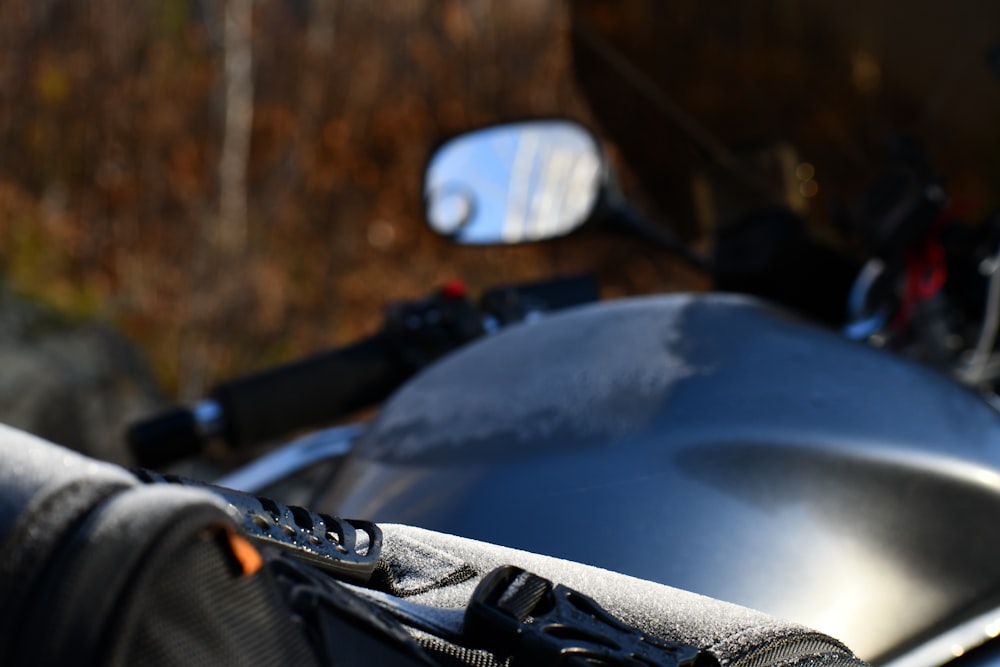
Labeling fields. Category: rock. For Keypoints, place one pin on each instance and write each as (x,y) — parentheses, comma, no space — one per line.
(77,384)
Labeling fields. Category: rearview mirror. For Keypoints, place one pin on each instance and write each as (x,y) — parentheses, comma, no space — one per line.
(512,183)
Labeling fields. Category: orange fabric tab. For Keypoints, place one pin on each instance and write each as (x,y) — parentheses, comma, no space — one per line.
(247,555)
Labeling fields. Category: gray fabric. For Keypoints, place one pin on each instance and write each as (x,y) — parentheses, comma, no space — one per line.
(34,468)
(44,490)
(737,636)
(435,573)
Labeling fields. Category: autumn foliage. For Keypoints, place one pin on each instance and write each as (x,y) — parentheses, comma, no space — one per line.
(115,123)
(111,125)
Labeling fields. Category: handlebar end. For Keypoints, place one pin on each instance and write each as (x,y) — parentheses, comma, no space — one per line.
(166,438)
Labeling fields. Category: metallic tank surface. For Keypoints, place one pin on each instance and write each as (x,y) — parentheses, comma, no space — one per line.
(712,443)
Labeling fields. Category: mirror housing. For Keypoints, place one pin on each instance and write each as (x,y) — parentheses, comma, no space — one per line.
(514,183)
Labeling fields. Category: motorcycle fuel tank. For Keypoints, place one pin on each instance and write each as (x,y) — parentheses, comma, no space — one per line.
(712,443)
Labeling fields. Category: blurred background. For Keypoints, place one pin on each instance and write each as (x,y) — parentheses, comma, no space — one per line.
(228,184)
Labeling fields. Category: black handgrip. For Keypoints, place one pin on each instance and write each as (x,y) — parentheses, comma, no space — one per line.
(309,392)
(169,436)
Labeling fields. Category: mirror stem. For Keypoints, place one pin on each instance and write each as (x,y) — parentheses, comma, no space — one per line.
(628,219)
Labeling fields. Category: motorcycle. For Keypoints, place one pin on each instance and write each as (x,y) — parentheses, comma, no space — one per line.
(718,443)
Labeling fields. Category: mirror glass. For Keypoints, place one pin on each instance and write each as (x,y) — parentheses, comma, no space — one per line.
(512,183)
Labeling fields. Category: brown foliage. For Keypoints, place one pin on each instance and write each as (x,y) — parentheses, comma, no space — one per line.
(112,119)
(110,136)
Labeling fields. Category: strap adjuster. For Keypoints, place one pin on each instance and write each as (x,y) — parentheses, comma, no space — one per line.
(346,548)
(518,614)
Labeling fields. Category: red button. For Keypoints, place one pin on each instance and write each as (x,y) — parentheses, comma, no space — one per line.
(454,289)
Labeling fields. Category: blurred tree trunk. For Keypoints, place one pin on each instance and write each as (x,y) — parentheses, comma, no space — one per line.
(220,291)
(231,230)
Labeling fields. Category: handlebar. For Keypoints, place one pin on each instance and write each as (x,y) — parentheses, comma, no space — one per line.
(306,393)
(315,390)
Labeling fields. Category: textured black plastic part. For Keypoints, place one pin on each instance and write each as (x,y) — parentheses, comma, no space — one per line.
(516,614)
(346,548)
(309,392)
(169,436)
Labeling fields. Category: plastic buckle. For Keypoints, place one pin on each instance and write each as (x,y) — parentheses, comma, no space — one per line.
(516,614)
(346,548)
